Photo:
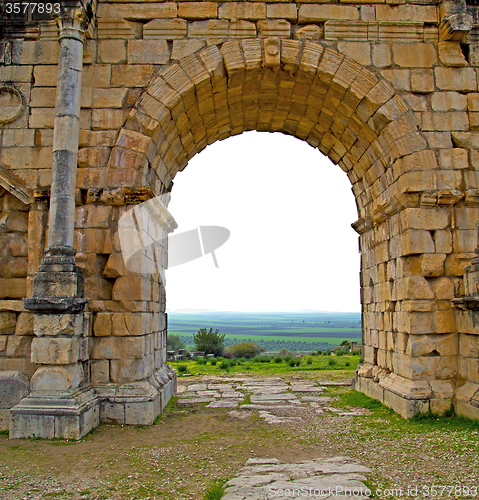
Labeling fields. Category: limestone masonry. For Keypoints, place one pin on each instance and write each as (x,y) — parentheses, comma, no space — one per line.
(102,104)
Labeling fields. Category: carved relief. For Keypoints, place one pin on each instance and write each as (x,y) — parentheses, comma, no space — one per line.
(12,104)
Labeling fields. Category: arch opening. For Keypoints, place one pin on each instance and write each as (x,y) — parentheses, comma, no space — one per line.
(288,209)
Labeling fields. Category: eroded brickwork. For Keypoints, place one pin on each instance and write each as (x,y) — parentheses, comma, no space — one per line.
(388,91)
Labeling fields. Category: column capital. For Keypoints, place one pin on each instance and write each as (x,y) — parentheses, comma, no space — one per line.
(455,21)
(75,19)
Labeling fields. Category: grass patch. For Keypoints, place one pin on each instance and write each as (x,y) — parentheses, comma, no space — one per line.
(360,400)
(170,408)
(420,423)
(429,415)
(215,491)
(148,491)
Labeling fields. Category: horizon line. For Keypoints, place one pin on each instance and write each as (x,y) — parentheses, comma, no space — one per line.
(193,310)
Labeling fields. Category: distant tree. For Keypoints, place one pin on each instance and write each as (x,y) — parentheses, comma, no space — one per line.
(244,350)
(209,342)
(174,342)
(345,343)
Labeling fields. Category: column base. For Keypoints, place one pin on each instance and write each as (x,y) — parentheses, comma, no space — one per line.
(404,396)
(137,403)
(69,416)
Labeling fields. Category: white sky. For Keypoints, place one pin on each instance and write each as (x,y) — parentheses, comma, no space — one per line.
(289,210)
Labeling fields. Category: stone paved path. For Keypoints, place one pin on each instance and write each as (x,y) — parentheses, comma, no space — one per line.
(276,401)
(280,402)
(263,479)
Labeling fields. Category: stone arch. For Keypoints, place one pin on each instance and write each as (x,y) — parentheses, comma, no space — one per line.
(274,67)
(361,123)
(301,88)
(411,267)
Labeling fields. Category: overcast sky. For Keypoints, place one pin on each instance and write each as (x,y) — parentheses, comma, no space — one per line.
(289,211)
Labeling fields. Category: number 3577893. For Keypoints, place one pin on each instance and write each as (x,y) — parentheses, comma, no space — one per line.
(13,8)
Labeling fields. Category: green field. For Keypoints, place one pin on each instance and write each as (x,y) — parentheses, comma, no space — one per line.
(295,331)
(268,365)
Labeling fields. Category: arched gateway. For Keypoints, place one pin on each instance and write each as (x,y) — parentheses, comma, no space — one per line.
(385,91)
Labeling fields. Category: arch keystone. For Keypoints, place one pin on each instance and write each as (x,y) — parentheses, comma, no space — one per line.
(272,52)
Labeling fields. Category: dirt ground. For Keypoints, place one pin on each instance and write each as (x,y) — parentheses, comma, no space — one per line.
(193,445)
(176,459)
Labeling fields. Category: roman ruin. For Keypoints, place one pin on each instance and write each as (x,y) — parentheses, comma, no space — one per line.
(103,103)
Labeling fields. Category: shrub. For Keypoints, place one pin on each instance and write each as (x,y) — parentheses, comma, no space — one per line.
(284,352)
(209,342)
(182,369)
(332,362)
(309,361)
(225,364)
(214,361)
(278,359)
(201,360)
(244,350)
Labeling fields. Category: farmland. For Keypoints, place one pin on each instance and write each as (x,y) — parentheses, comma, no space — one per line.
(295,331)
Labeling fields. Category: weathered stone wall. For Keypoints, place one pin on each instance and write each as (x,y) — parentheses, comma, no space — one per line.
(387,90)
(16,328)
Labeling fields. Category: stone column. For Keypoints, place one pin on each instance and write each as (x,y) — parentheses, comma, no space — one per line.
(66,130)
(61,404)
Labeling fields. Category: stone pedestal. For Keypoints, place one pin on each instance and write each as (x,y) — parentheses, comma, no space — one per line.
(61,403)
(137,403)
(407,397)
(67,415)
